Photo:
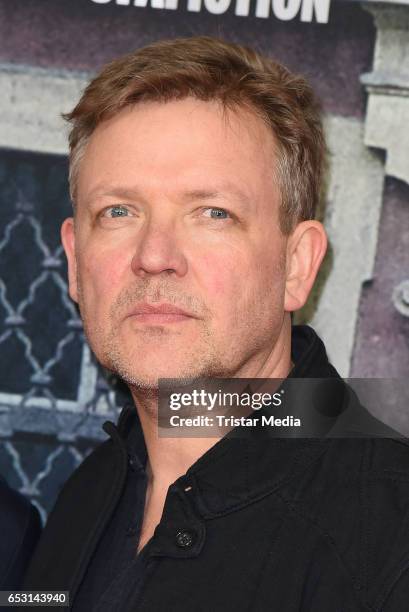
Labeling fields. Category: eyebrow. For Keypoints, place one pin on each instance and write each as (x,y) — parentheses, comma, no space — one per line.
(119,191)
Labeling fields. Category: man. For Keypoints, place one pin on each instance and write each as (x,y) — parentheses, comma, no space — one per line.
(195,171)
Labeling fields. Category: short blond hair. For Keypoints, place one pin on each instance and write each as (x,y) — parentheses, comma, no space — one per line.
(212,69)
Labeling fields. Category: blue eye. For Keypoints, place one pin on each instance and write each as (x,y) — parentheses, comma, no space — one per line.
(220,213)
(118,211)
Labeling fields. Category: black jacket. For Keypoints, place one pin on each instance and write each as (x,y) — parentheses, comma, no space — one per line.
(281,525)
(20,528)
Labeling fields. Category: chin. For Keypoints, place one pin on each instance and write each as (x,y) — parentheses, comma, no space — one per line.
(149,379)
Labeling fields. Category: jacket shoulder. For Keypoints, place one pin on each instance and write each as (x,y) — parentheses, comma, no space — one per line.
(387,518)
(357,498)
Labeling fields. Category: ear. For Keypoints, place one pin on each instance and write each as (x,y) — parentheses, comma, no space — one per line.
(306,248)
(68,241)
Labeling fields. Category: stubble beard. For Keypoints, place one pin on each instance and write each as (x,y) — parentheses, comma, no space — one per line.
(201,360)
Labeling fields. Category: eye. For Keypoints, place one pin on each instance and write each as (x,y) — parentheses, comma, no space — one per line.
(220,213)
(113,212)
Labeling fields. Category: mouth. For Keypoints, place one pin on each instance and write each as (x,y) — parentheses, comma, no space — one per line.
(160,318)
(162,313)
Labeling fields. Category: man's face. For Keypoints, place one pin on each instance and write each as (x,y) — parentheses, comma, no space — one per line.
(177,205)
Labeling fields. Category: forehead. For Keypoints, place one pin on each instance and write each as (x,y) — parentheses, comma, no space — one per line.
(185,144)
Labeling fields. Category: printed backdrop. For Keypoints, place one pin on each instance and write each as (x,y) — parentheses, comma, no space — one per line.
(53,397)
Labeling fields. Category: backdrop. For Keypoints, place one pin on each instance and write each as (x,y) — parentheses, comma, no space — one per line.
(53,397)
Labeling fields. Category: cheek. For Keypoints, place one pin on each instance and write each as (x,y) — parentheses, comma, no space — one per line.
(247,288)
(220,276)
(101,274)
(227,284)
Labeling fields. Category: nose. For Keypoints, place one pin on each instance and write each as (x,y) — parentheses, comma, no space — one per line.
(159,249)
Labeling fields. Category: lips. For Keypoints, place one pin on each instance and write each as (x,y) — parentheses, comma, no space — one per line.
(161,309)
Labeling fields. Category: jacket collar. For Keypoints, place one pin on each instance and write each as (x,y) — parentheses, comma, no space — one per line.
(237,470)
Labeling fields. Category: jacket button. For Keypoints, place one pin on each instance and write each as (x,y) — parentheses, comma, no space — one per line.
(132,463)
(184,539)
